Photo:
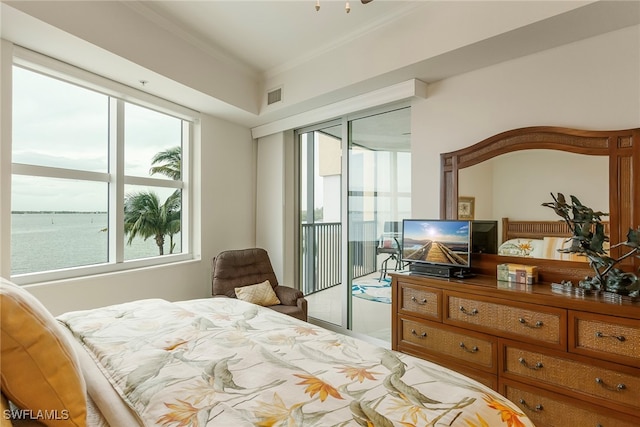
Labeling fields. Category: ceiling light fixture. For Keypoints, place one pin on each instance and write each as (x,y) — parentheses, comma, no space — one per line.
(347,6)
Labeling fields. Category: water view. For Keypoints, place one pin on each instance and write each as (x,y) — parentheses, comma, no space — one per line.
(55,240)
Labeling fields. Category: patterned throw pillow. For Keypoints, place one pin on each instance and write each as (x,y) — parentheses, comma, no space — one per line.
(531,248)
(261,294)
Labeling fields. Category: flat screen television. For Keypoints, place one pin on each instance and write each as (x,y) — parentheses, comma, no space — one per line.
(484,237)
(436,242)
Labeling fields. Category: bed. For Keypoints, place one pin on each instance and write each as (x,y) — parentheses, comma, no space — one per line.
(226,362)
(538,239)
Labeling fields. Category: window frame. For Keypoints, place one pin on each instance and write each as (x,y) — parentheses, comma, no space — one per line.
(119,94)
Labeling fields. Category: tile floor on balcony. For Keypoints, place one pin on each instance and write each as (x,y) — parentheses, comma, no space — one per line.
(371,318)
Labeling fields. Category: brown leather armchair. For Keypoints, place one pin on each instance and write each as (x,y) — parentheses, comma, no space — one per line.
(243,267)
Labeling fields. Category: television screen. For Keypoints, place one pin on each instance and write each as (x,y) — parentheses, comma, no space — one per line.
(441,242)
(484,237)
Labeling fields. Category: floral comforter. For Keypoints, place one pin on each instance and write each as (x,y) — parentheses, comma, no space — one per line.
(224,362)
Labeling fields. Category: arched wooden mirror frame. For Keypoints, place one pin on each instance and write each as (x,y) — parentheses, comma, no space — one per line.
(621,146)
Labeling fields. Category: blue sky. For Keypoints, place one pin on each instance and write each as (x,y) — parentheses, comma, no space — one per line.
(444,231)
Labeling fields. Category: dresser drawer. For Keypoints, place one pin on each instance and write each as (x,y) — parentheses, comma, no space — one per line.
(606,337)
(488,379)
(420,300)
(617,386)
(546,325)
(465,347)
(546,408)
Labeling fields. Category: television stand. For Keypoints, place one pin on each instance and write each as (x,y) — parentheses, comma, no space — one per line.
(463,273)
(440,271)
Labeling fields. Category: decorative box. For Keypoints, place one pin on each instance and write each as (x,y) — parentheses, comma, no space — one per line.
(518,273)
(503,272)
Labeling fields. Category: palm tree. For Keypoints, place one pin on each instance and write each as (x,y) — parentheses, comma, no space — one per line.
(146,217)
(174,206)
(169,163)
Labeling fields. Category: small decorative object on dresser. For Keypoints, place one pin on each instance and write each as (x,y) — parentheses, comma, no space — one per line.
(588,239)
(518,273)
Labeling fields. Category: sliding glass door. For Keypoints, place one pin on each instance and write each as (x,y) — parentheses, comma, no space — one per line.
(345,224)
(320,221)
(379,197)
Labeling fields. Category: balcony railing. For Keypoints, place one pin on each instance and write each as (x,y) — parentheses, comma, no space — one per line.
(321,263)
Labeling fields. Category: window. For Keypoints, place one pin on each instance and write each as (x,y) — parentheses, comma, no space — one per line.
(98,182)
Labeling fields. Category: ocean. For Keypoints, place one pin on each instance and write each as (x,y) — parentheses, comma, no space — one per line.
(51,241)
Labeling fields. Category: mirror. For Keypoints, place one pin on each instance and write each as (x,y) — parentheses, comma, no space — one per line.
(618,149)
(514,185)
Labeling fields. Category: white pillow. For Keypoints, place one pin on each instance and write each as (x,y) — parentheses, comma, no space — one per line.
(530,248)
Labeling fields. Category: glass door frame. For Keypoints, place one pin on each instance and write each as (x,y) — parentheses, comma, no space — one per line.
(345,273)
(341,326)
(348,270)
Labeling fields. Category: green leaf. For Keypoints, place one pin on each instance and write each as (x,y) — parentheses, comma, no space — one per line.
(633,238)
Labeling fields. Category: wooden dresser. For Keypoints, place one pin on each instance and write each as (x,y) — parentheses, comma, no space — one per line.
(565,360)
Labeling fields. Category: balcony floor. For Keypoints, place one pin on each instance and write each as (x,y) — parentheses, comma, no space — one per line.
(371,318)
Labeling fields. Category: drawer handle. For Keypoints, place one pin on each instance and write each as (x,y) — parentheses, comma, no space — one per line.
(536,408)
(467,312)
(473,349)
(423,301)
(538,324)
(535,367)
(620,338)
(422,335)
(619,387)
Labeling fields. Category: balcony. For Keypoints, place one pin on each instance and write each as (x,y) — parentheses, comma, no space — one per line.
(321,261)
(321,266)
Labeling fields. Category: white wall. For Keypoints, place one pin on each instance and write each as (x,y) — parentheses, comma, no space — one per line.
(473,183)
(542,172)
(228,187)
(275,203)
(591,84)
(515,184)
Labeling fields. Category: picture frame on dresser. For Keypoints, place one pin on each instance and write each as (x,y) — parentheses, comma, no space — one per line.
(466,207)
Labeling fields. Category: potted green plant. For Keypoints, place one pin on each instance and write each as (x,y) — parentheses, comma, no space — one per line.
(588,238)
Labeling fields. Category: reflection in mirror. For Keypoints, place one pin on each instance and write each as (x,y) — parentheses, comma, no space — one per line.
(514,185)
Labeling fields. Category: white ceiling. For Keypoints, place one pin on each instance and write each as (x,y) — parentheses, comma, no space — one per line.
(272,35)
(220,57)
(274,38)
